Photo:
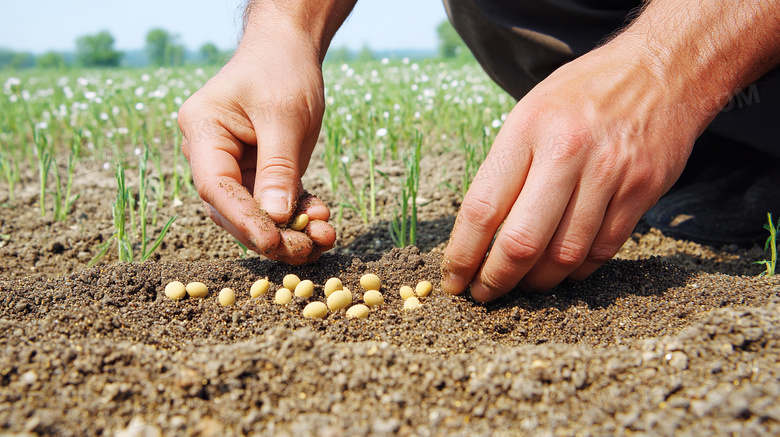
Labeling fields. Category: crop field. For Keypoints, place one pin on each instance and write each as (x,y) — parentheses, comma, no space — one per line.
(98,216)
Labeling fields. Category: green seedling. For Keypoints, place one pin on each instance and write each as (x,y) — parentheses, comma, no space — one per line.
(403,226)
(771,246)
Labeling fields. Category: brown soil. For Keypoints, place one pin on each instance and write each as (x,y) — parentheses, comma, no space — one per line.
(667,340)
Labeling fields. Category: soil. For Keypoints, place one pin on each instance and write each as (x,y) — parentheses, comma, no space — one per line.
(671,337)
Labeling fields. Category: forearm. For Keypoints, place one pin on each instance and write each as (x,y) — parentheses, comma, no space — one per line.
(316,21)
(707,49)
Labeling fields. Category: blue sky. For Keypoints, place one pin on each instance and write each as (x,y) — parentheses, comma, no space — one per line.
(42,25)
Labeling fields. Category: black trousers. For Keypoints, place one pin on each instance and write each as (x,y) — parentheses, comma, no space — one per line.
(519,43)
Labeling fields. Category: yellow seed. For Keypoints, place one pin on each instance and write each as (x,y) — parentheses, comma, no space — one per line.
(423,288)
(304,288)
(358,311)
(197,289)
(227,297)
(175,290)
(373,298)
(332,285)
(315,310)
(340,299)
(300,222)
(260,287)
(290,281)
(283,296)
(370,281)
(412,303)
(406,292)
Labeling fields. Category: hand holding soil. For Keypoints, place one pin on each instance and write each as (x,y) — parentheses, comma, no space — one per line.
(249,134)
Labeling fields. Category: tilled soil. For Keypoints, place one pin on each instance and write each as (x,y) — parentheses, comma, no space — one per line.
(669,339)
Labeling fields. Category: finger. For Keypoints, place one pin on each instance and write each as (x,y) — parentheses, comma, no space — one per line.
(312,206)
(572,241)
(528,228)
(295,247)
(214,161)
(283,149)
(321,233)
(500,177)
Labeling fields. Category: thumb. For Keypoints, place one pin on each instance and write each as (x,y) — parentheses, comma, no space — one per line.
(279,172)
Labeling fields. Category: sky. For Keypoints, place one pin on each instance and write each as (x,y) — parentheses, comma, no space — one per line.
(43,25)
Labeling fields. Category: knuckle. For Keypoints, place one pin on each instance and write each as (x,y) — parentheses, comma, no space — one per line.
(519,245)
(478,212)
(603,252)
(279,165)
(567,253)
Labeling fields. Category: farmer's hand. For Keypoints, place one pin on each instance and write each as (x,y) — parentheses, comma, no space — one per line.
(249,134)
(589,150)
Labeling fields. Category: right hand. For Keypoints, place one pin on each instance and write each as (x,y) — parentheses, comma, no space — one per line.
(249,134)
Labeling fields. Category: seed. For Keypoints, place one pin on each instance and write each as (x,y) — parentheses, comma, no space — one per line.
(304,288)
(227,297)
(412,303)
(423,288)
(339,299)
(300,222)
(358,311)
(260,286)
(197,289)
(332,285)
(290,281)
(373,298)
(283,296)
(315,310)
(175,290)
(370,281)
(406,292)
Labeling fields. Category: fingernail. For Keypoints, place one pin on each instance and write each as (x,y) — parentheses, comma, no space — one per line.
(275,201)
(453,284)
(479,292)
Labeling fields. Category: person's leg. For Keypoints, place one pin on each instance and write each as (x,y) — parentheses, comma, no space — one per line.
(519,43)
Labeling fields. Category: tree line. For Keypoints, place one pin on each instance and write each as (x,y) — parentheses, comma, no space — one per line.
(161,48)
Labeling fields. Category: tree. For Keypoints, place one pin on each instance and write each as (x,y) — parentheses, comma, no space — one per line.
(51,60)
(97,50)
(450,43)
(209,53)
(162,49)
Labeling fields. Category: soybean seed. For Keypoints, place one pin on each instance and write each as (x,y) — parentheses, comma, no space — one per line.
(227,297)
(340,299)
(332,285)
(370,281)
(373,298)
(304,288)
(260,287)
(291,281)
(358,311)
(175,290)
(300,222)
(423,288)
(406,292)
(412,303)
(197,289)
(283,296)
(315,310)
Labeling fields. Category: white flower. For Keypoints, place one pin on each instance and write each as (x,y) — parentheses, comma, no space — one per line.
(348,117)
(139,106)
(345,159)
(137,151)
(381,132)
(115,110)
(109,81)
(144,78)
(496,123)
(199,72)
(82,81)
(68,92)
(406,61)
(12,83)
(415,87)
(386,114)
(139,91)
(415,67)
(13,98)
(344,67)
(42,125)
(396,107)
(123,130)
(385,61)
(350,72)
(174,115)
(106,166)
(104,116)
(368,97)
(89,95)
(416,115)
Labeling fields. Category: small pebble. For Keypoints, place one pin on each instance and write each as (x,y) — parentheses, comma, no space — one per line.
(300,222)
(358,311)
(315,310)
(290,281)
(283,296)
(340,299)
(332,285)
(412,303)
(227,297)
(423,288)
(304,289)
(370,281)
(406,292)
(197,289)
(373,298)
(175,290)
(260,287)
